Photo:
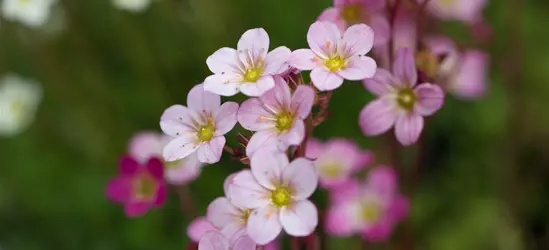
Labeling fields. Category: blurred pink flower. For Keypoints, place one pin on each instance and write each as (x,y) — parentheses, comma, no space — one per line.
(467,11)
(333,58)
(199,127)
(277,191)
(348,12)
(372,211)
(249,69)
(198,228)
(216,240)
(470,81)
(400,101)
(138,186)
(145,145)
(277,116)
(336,160)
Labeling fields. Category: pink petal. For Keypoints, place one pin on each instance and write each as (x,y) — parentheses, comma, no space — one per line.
(250,113)
(320,35)
(263,138)
(233,231)
(246,192)
(119,190)
(262,85)
(264,224)
(404,67)
(155,167)
(273,245)
(325,80)
(136,209)
(382,29)
(145,145)
(227,182)
(276,61)
(303,59)
(161,195)
(381,231)
(211,151)
(221,212)
(180,147)
(294,136)
(374,5)
(359,68)
(278,98)
(430,99)
(399,208)
(377,117)
(332,15)
(302,101)
(198,228)
(244,243)
(225,118)
(300,219)
(471,81)
(408,128)
(343,218)
(255,40)
(177,120)
(346,151)
(185,172)
(349,190)
(358,39)
(267,167)
(314,148)
(382,83)
(213,240)
(301,177)
(383,182)
(200,100)
(224,85)
(441,45)
(404,30)
(128,166)
(223,61)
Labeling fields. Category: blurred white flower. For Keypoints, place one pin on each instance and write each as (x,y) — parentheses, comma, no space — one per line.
(32,13)
(19,100)
(132,5)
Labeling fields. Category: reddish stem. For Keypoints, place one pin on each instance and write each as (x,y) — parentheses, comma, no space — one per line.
(185,201)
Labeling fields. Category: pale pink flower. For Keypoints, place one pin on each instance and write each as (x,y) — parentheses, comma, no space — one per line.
(372,210)
(217,240)
(248,69)
(277,116)
(400,101)
(337,160)
(348,12)
(138,187)
(198,228)
(200,127)
(467,11)
(470,80)
(145,145)
(333,57)
(277,191)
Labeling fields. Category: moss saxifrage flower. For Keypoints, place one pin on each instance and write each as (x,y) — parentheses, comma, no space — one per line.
(400,101)
(277,116)
(277,192)
(138,186)
(200,127)
(333,58)
(248,69)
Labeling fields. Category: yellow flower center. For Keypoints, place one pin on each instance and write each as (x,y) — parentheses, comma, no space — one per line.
(172,164)
(252,75)
(334,63)
(407,98)
(284,121)
(427,62)
(245,215)
(281,197)
(206,132)
(371,212)
(144,187)
(352,14)
(331,170)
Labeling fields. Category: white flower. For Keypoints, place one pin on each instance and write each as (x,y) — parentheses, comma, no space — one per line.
(32,13)
(132,5)
(19,99)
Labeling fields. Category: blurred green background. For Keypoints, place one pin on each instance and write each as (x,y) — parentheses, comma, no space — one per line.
(108,73)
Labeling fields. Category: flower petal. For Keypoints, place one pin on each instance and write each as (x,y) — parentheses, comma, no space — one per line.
(198,228)
(223,61)
(161,195)
(128,166)
(408,128)
(267,166)
(246,192)
(177,120)
(380,231)
(382,29)
(304,59)
(180,147)
(382,83)
(301,177)
(262,85)
(383,182)
(325,80)
(263,138)
(332,15)
(404,67)
(358,39)
(255,40)
(225,118)
(314,148)
(278,98)
(377,117)
(221,212)
(404,30)
(276,61)
(300,219)
(228,181)
(136,209)
(342,219)
(119,190)
(302,101)
(224,85)
(359,68)
(211,151)
(185,171)
(294,136)
(200,100)
(145,145)
(430,99)
(155,167)
(323,37)
(252,116)
(471,81)
(213,240)
(264,224)
(349,190)
(244,242)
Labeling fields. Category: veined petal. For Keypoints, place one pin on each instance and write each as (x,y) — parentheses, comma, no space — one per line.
(404,67)
(180,147)
(304,59)
(224,85)
(278,98)
(254,40)
(382,29)
(430,99)
(177,120)
(359,68)
(213,240)
(276,61)
(299,219)
(246,192)
(225,118)
(244,242)
(252,116)
(302,101)
(378,117)
(323,37)
(221,212)
(267,167)
(264,224)
(293,137)
(211,151)
(382,83)
(358,40)
(203,101)
(223,61)
(198,228)
(408,128)
(325,80)
(262,138)
(262,85)
(301,177)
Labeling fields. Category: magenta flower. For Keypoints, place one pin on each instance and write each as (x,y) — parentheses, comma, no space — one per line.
(336,160)
(372,211)
(145,145)
(277,116)
(277,191)
(333,58)
(249,69)
(198,228)
(199,127)
(348,12)
(216,240)
(467,11)
(138,186)
(400,101)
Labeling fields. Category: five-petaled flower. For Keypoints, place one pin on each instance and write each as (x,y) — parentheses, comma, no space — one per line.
(248,69)
(401,102)
(200,127)
(333,58)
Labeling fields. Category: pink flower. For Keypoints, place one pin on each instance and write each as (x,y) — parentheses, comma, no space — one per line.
(348,12)
(373,211)
(199,127)
(138,186)
(470,81)
(277,192)
(198,228)
(461,10)
(145,145)
(216,240)
(336,160)
(333,58)
(249,69)
(400,101)
(277,116)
